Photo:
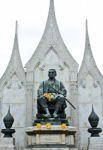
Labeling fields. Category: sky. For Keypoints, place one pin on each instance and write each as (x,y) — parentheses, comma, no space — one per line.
(32,16)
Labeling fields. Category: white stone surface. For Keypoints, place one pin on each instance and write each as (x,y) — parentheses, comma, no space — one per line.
(7,144)
(95,143)
(55,135)
(53,127)
(14,91)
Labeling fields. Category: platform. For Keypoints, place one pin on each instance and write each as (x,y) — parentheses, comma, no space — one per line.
(54,137)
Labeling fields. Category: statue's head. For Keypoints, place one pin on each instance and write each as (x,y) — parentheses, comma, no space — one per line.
(52,73)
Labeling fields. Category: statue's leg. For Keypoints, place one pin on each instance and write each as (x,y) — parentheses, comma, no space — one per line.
(42,101)
(59,105)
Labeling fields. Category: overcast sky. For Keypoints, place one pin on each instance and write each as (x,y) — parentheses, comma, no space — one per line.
(32,16)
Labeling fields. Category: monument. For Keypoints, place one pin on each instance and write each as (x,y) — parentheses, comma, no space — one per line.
(51,128)
(51,97)
(51,101)
(19,86)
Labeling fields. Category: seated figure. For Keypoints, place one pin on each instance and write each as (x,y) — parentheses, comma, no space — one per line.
(51,98)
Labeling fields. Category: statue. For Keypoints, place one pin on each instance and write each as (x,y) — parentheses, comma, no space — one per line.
(51,97)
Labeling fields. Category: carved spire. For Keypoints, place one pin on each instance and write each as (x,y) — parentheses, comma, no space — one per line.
(15,46)
(51,30)
(16,27)
(51,8)
(15,60)
(15,57)
(88,63)
(87,42)
(15,63)
(51,38)
(51,16)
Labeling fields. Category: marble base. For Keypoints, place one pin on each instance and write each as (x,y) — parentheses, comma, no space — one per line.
(95,143)
(54,138)
(7,144)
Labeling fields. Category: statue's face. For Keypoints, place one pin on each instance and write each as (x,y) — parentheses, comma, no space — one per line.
(51,73)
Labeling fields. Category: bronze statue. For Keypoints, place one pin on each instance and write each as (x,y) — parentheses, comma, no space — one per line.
(51,97)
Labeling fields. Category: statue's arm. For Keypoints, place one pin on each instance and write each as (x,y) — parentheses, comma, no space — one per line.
(63,91)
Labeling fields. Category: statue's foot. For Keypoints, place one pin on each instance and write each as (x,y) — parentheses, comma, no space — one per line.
(46,115)
(55,115)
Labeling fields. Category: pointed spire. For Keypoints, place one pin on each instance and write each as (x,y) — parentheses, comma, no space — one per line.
(88,62)
(51,38)
(15,57)
(51,8)
(51,14)
(16,36)
(87,42)
(16,27)
(88,56)
(51,21)
(15,60)
(15,63)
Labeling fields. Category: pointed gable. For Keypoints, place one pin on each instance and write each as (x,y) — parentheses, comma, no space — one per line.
(88,64)
(15,65)
(51,38)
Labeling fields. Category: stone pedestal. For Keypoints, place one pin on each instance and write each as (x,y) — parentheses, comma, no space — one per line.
(54,138)
(95,143)
(7,144)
